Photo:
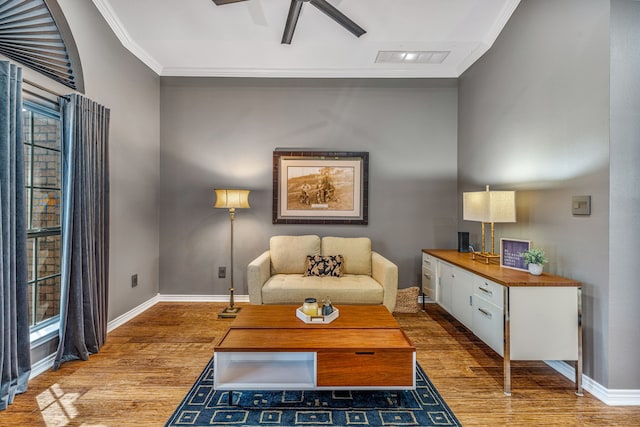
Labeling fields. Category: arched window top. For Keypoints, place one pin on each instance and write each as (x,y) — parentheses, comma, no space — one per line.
(35,33)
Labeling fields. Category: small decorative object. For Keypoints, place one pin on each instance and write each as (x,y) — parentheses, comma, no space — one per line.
(327,308)
(320,319)
(511,253)
(535,258)
(310,307)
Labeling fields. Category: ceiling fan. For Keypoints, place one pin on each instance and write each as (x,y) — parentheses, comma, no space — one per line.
(294,14)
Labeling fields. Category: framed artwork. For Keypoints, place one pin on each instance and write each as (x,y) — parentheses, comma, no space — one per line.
(510,253)
(320,187)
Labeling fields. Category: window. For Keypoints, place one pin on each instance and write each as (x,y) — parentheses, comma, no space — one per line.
(42,128)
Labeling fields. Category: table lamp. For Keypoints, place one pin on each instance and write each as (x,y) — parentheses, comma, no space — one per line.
(488,207)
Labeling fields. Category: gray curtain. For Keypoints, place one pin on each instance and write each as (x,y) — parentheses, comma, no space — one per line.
(85,229)
(14,296)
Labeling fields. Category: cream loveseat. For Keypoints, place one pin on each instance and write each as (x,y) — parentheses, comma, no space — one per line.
(277,276)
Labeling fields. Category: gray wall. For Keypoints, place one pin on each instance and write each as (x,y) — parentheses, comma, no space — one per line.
(624,316)
(118,80)
(220,133)
(534,117)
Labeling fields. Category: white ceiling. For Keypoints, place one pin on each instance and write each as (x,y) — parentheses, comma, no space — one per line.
(199,38)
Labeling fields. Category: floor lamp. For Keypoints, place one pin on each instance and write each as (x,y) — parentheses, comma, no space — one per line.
(488,207)
(232,200)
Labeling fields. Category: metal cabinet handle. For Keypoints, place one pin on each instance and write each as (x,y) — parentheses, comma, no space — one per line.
(427,276)
(486,291)
(365,352)
(485,312)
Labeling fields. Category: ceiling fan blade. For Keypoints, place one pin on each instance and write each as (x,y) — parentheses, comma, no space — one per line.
(338,16)
(292,20)
(222,2)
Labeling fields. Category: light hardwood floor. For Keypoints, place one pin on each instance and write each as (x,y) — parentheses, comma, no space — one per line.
(148,365)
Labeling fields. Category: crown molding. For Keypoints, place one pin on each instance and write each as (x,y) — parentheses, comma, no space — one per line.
(121,33)
(440,73)
(500,22)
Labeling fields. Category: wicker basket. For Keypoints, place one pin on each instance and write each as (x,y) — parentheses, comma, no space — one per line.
(407,300)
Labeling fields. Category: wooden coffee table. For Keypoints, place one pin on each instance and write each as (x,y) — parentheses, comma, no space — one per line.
(268,348)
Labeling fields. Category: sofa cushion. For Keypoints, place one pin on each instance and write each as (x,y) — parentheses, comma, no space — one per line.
(355,251)
(349,289)
(289,253)
(329,265)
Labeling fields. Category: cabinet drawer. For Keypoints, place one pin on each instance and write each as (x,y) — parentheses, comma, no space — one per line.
(428,284)
(488,324)
(428,262)
(488,290)
(365,368)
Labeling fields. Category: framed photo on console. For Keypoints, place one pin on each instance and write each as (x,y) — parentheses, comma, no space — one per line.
(511,253)
(320,187)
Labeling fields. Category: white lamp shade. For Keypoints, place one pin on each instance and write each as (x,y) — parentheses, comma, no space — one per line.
(489,206)
(232,199)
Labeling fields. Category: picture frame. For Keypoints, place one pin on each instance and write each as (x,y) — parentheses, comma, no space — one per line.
(320,187)
(510,253)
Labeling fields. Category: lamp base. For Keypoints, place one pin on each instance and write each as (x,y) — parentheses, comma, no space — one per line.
(486,257)
(229,313)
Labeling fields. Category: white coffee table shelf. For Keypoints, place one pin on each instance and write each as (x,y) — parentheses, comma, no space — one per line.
(265,370)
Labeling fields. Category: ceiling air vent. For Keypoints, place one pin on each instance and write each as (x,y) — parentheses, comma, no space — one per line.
(412,56)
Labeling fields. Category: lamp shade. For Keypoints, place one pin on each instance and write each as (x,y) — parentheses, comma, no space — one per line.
(489,206)
(228,199)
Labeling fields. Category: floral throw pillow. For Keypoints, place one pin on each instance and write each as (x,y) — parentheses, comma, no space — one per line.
(330,265)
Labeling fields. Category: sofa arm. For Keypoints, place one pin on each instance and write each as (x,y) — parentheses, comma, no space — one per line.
(258,272)
(386,273)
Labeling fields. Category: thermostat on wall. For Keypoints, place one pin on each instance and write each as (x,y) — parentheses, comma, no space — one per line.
(581,205)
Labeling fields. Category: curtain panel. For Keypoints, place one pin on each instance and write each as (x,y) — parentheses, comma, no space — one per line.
(15,356)
(85,229)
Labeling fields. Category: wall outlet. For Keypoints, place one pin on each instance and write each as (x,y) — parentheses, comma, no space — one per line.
(134,280)
(222,272)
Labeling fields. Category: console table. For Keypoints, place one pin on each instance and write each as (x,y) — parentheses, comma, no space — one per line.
(519,315)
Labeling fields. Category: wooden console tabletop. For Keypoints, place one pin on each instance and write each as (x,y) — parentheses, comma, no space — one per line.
(505,276)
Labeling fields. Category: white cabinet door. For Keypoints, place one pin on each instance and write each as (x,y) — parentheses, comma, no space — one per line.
(446,276)
(461,292)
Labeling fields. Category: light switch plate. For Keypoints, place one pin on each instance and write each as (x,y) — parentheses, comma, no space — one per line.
(581,205)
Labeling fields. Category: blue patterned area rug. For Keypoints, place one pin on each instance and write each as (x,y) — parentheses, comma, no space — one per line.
(204,406)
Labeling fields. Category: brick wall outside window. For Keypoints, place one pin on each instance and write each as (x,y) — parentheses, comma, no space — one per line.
(43,170)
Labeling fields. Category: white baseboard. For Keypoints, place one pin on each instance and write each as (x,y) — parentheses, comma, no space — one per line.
(42,366)
(614,397)
(124,318)
(201,298)
(170,298)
